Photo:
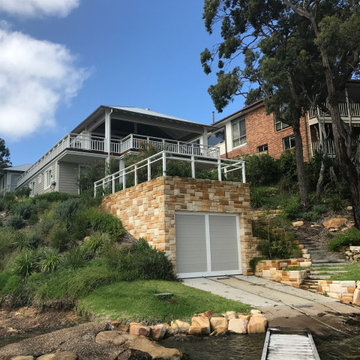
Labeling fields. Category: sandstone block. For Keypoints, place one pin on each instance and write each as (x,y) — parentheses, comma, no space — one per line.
(110,337)
(257,324)
(230,315)
(297,223)
(158,332)
(139,329)
(22,358)
(198,330)
(182,326)
(218,322)
(356,297)
(202,322)
(334,222)
(219,331)
(238,326)
(61,355)
(255,312)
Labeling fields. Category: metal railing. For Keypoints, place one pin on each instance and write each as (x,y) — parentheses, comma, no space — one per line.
(343,108)
(118,180)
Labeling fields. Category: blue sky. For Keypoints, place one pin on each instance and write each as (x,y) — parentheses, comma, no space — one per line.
(105,52)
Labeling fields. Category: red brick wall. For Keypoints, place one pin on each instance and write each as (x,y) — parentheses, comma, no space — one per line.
(260,130)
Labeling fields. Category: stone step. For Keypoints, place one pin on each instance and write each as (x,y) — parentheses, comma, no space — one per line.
(320,277)
(328,261)
(318,272)
(332,265)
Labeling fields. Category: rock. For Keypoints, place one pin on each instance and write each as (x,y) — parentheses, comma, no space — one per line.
(201,322)
(208,314)
(356,297)
(334,222)
(61,355)
(297,223)
(124,327)
(158,332)
(198,331)
(11,330)
(132,354)
(218,322)
(115,324)
(257,324)
(110,337)
(139,329)
(174,325)
(155,350)
(21,357)
(182,326)
(219,332)
(238,326)
(349,208)
(255,312)
(230,315)
(245,317)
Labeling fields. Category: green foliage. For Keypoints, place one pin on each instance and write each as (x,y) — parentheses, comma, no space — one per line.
(33,219)
(60,238)
(95,243)
(16,222)
(348,238)
(265,196)
(287,163)
(94,220)
(139,261)
(24,192)
(291,209)
(276,243)
(178,168)
(74,258)
(25,209)
(26,263)
(4,155)
(262,170)
(10,282)
(336,202)
(50,261)
(66,211)
(52,197)
(254,261)
(8,201)
(45,225)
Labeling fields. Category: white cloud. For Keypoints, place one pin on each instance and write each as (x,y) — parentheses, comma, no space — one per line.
(36,8)
(35,77)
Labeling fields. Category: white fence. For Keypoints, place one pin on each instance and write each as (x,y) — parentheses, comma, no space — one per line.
(111,183)
(354,111)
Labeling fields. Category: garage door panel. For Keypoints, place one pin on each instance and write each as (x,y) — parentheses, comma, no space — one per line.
(223,243)
(190,243)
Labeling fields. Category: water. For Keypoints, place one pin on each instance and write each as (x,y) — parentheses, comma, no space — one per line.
(249,347)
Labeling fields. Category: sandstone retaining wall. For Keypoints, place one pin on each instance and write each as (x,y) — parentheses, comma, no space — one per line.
(148,209)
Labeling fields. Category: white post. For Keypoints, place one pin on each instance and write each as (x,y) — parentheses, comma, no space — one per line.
(135,175)
(94,190)
(193,166)
(107,140)
(164,163)
(205,142)
(148,169)
(103,185)
(219,169)
(113,184)
(132,146)
(124,180)
(243,172)
(225,173)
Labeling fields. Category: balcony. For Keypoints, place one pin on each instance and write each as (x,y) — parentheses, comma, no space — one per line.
(344,112)
(98,144)
(329,147)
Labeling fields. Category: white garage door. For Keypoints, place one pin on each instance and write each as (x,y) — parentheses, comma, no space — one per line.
(207,244)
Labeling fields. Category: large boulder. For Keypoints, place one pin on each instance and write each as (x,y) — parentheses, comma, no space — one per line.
(202,322)
(182,326)
(139,329)
(230,315)
(218,322)
(334,223)
(238,326)
(356,297)
(158,332)
(257,324)
(111,337)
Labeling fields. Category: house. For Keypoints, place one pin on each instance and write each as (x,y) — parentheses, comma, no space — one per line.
(9,177)
(252,131)
(110,133)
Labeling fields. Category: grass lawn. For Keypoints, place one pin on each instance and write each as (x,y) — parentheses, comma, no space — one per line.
(135,301)
(352,273)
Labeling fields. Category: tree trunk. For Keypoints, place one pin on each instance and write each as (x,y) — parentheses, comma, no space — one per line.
(300,168)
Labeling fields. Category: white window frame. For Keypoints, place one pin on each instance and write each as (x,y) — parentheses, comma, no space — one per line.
(258,149)
(241,140)
(214,133)
(291,138)
(47,178)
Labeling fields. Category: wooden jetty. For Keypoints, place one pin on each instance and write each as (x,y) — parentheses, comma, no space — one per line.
(289,344)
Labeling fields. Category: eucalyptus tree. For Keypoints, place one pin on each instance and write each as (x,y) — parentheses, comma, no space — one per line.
(4,155)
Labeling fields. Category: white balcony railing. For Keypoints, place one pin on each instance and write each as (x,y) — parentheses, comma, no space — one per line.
(93,142)
(354,111)
(144,170)
(328,144)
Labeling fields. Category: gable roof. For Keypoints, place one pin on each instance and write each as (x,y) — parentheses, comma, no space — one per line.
(20,168)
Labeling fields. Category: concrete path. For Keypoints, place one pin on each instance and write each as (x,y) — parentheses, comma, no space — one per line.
(283,305)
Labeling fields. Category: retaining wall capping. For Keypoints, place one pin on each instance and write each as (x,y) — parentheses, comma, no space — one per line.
(274,270)
(148,210)
(353,253)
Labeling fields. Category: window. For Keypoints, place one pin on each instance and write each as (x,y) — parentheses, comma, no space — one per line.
(47,178)
(216,138)
(288,142)
(262,148)
(279,125)
(32,189)
(239,132)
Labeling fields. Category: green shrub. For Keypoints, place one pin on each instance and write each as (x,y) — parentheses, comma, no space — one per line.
(336,202)
(95,243)
(254,261)
(74,258)
(33,219)
(32,240)
(140,261)
(350,237)
(26,263)
(9,201)
(66,210)
(16,222)
(2,204)
(178,168)
(25,209)
(60,238)
(45,226)
(264,196)
(52,197)
(24,192)
(275,243)
(9,282)
(50,261)
(93,220)
(288,173)
(310,216)
(262,170)
(41,205)
(291,209)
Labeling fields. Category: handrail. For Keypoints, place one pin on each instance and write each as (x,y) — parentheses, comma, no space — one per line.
(343,108)
(224,166)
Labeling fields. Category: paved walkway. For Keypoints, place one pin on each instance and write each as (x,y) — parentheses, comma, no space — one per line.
(282,304)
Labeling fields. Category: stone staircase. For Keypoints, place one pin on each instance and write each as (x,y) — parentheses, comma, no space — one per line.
(324,263)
